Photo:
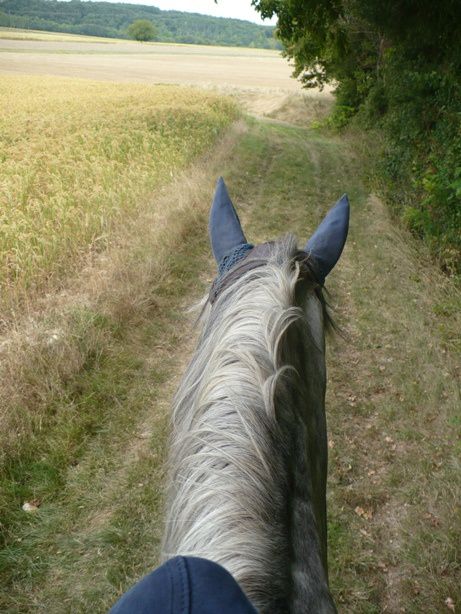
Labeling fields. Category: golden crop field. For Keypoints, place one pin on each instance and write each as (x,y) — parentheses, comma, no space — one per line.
(77,156)
(41,35)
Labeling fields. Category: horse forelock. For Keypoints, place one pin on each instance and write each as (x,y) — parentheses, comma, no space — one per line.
(229,450)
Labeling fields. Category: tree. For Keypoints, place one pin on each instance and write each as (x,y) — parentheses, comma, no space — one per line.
(354,42)
(142,30)
(327,39)
(398,64)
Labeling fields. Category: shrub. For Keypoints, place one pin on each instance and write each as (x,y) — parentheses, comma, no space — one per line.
(141,30)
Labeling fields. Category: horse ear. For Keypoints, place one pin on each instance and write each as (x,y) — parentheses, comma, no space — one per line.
(326,244)
(224,224)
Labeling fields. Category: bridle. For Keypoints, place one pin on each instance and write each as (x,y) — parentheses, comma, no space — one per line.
(250,258)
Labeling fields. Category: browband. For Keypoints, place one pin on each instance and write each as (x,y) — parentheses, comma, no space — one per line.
(254,258)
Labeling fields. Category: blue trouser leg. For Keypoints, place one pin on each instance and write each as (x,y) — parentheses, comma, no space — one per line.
(185,585)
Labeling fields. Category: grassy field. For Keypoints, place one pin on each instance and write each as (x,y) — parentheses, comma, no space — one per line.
(16,34)
(62,37)
(78,157)
(89,368)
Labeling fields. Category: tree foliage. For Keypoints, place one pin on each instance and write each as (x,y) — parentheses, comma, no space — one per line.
(398,65)
(113,19)
(141,30)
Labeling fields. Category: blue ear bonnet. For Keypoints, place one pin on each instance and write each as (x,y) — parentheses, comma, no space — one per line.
(229,244)
(327,243)
(234,256)
(224,225)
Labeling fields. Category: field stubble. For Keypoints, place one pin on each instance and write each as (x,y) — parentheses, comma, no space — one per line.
(197,65)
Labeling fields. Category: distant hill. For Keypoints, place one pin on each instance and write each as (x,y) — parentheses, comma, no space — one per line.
(112,20)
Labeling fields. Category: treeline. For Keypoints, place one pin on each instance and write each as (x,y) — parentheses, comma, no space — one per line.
(112,20)
(398,65)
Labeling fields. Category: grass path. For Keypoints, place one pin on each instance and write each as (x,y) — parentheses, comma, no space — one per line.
(393,396)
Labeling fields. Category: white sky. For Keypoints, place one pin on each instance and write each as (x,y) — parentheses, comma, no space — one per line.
(239,9)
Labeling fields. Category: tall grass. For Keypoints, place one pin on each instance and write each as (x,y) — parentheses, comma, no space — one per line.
(78,156)
(85,385)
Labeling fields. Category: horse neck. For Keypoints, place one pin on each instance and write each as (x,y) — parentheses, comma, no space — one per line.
(246,481)
(301,414)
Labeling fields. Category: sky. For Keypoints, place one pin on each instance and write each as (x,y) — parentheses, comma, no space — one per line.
(239,9)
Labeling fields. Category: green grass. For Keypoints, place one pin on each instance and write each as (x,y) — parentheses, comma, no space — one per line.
(92,456)
(394,364)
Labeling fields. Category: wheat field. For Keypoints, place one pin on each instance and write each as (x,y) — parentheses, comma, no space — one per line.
(78,156)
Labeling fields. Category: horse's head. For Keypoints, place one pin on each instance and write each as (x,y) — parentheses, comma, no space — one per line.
(235,256)
(230,245)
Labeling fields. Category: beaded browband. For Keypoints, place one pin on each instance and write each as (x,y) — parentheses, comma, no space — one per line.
(246,257)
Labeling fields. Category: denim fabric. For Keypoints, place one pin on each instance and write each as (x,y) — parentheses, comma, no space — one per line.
(185,585)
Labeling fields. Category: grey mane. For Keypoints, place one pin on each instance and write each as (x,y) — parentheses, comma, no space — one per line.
(248,451)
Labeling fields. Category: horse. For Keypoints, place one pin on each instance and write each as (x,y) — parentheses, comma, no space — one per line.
(248,447)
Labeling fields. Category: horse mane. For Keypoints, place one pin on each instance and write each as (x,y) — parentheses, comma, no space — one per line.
(239,484)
